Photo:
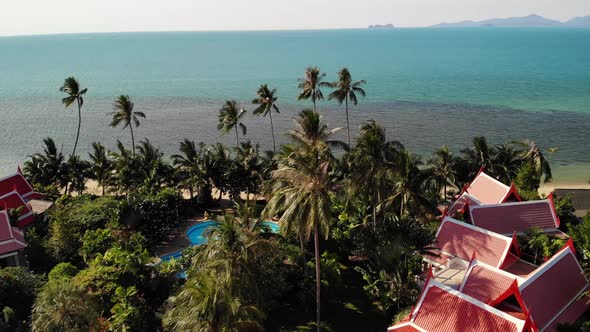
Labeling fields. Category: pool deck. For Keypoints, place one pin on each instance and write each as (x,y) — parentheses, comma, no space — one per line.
(177,239)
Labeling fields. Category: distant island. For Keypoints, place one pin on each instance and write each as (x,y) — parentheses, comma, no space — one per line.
(525,21)
(382,26)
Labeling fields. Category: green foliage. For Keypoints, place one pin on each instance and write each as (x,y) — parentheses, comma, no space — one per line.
(538,246)
(564,207)
(527,181)
(152,215)
(580,233)
(96,242)
(71,217)
(18,290)
(62,271)
(63,306)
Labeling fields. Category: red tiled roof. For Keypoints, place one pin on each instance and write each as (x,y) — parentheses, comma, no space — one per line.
(462,240)
(571,314)
(519,216)
(442,309)
(11,238)
(462,203)
(488,190)
(553,286)
(16,182)
(13,200)
(486,283)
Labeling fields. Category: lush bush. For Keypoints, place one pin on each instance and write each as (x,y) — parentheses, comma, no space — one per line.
(152,215)
(528,181)
(580,233)
(71,217)
(65,271)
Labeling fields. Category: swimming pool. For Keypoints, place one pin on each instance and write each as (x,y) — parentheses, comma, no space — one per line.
(270,226)
(197,235)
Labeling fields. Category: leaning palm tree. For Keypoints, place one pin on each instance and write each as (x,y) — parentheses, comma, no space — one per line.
(310,85)
(229,119)
(71,87)
(302,186)
(61,307)
(267,104)
(535,155)
(345,90)
(124,113)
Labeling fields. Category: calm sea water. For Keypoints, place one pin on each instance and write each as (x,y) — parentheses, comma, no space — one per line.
(428,87)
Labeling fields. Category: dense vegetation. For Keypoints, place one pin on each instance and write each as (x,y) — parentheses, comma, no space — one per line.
(355,219)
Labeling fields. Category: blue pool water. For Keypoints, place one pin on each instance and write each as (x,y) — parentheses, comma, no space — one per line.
(269,225)
(198,235)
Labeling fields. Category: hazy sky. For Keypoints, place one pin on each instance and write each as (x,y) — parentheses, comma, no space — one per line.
(70,16)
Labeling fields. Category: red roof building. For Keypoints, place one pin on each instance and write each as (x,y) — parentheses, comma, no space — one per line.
(459,239)
(517,217)
(13,200)
(11,238)
(17,182)
(553,290)
(483,190)
(488,284)
(443,309)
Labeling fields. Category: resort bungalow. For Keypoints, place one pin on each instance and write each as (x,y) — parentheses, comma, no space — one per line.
(16,192)
(517,217)
(11,243)
(458,242)
(443,309)
(483,190)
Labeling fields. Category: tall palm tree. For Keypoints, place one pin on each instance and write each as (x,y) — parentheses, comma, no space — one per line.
(535,155)
(442,161)
(345,90)
(61,307)
(229,118)
(71,87)
(124,113)
(302,184)
(411,186)
(102,165)
(373,163)
(310,85)
(267,104)
(154,170)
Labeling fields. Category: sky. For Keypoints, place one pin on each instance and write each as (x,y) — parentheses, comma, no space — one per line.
(24,17)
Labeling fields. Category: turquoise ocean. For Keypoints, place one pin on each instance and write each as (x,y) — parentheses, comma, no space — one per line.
(428,87)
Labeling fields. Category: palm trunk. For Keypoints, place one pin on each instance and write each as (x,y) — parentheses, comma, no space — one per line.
(303,255)
(103,189)
(272,131)
(314,109)
(79,124)
(347,123)
(317,274)
(132,139)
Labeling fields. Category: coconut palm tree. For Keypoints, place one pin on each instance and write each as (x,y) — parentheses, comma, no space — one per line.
(442,162)
(124,113)
(47,168)
(229,119)
(62,307)
(267,104)
(101,165)
(74,93)
(535,155)
(373,164)
(310,85)
(345,90)
(189,167)
(411,186)
(302,185)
